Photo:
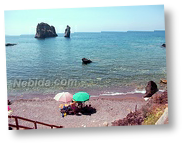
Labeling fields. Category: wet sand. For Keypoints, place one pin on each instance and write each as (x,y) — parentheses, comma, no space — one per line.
(108,109)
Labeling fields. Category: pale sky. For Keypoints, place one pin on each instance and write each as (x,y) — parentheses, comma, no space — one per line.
(96,19)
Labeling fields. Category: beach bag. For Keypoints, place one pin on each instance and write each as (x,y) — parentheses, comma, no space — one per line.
(64,114)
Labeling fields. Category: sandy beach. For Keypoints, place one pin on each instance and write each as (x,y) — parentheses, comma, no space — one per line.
(108,109)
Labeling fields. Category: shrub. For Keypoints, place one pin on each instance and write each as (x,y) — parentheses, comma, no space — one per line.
(148,114)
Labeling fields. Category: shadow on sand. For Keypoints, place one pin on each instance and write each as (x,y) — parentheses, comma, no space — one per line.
(87,110)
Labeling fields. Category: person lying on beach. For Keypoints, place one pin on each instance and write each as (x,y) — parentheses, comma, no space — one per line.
(70,109)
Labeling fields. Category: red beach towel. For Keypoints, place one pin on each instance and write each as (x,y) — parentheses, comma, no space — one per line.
(8,108)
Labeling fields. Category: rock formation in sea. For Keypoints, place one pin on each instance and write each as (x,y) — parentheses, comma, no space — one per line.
(44,31)
(9,44)
(163,45)
(67,32)
(151,88)
(86,61)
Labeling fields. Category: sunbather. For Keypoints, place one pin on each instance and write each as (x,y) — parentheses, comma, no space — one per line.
(73,106)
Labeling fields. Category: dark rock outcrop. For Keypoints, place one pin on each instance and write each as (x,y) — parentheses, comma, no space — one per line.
(9,44)
(44,31)
(159,98)
(163,45)
(86,61)
(151,88)
(67,32)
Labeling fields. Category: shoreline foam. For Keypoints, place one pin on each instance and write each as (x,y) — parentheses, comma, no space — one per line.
(94,93)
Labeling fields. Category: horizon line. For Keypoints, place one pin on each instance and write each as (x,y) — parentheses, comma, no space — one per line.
(95,32)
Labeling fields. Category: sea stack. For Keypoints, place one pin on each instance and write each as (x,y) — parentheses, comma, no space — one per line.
(151,88)
(44,31)
(67,32)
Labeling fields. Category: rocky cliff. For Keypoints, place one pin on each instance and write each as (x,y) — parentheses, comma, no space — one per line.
(44,31)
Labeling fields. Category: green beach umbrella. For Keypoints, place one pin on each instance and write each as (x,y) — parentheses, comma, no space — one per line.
(81,96)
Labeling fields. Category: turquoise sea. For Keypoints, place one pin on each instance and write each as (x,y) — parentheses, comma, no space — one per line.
(124,60)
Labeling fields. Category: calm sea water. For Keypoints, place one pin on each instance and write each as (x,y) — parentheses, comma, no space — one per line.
(119,59)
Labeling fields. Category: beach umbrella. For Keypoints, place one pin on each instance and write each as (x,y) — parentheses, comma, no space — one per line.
(64,97)
(81,96)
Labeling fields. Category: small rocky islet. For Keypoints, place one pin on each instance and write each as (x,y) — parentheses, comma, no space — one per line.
(67,32)
(44,30)
(9,44)
(163,45)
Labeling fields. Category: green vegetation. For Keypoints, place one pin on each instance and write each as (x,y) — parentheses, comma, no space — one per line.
(148,114)
(154,115)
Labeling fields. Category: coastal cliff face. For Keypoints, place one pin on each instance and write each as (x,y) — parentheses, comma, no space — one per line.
(44,30)
(67,32)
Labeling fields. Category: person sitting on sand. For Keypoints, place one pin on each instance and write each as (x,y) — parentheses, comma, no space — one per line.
(80,105)
(63,109)
(73,106)
(60,106)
